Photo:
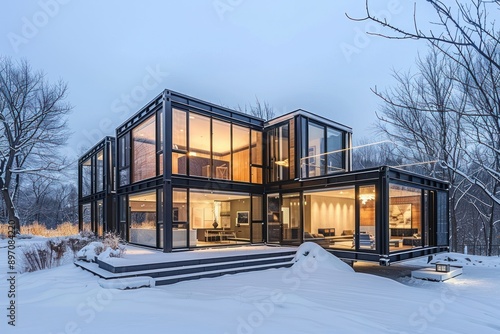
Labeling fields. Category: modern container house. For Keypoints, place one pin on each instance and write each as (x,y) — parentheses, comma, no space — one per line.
(193,174)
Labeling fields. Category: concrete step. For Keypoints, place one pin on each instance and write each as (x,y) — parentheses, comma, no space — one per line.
(177,271)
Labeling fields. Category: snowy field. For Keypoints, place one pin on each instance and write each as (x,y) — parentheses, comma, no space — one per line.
(319,294)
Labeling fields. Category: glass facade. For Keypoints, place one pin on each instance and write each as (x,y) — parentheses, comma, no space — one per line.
(222,190)
(214,148)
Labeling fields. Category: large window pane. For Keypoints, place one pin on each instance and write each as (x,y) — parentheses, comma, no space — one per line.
(124,159)
(180,220)
(86,177)
(335,161)
(241,154)
(219,218)
(329,217)
(367,217)
(316,161)
(179,163)
(221,146)
(405,214)
(143,218)
(256,143)
(179,129)
(199,145)
(144,150)
(279,153)
(100,171)
(87,218)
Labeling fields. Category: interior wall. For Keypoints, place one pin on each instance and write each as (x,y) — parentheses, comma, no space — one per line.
(328,212)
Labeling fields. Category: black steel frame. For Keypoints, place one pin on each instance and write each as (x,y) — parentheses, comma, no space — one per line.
(166,182)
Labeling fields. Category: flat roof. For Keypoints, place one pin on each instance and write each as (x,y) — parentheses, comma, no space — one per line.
(310,115)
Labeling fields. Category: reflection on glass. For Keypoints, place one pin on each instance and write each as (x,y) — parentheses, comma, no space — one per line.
(100,171)
(221,146)
(241,154)
(279,153)
(335,156)
(405,228)
(316,149)
(199,146)
(144,150)
(86,177)
(179,130)
(87,217)
(367,217)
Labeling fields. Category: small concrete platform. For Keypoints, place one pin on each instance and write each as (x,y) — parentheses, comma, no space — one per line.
(430,274)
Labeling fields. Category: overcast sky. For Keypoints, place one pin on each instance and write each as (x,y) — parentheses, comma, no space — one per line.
(118,55)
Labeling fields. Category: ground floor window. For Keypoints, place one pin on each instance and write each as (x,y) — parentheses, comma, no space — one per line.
(405,217)
(87,217)
(216,218)
(329,217)
(341,217)
(143,218)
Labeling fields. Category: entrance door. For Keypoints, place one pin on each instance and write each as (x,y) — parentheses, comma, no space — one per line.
(291,220)
(274,223)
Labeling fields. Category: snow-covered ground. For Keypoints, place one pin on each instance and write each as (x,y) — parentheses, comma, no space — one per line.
(319,294)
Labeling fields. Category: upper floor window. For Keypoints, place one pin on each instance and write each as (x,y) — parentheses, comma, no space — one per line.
(324,151)
(144,150)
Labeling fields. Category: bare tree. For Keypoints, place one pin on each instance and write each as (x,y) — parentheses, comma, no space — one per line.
(33,125)
(466,36)
(261,110)
(415,117)
(461,26)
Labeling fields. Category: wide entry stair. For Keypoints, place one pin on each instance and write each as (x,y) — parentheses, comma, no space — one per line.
(170,268)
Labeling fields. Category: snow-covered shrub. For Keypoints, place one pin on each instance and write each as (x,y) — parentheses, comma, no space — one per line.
(57,248)
(87,234)
(112,240)
(37,257)
(109,247)
(75,244)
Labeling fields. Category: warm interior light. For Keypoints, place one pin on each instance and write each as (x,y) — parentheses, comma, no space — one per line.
(366,197)
(283,163)
(192,154)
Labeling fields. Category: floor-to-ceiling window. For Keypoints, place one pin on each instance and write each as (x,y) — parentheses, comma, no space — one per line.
(291,219)
(87,217)
(218,218)
(221,144)
(199,145)
(144,150)
(86,177)
(100,171)
(367,217)
(143,218)
(241,153)
(405,217)
(279,153)
(323,151)
(329,217)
